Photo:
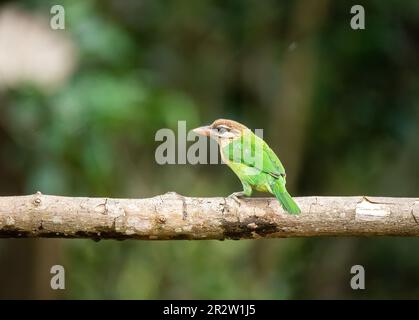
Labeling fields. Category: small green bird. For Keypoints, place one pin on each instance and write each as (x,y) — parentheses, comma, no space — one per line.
(251,159)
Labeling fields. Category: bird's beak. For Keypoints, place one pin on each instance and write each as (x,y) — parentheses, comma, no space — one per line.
(203,131)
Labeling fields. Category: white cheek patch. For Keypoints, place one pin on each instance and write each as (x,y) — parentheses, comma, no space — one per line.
(229,135)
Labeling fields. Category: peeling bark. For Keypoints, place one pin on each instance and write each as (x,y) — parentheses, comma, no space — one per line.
(172,216)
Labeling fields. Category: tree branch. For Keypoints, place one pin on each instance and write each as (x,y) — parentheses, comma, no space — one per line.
(171,216)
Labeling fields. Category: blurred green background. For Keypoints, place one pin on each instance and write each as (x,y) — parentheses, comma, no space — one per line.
(79,109)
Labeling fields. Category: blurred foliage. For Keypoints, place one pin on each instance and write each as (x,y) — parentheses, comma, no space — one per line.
(348,125)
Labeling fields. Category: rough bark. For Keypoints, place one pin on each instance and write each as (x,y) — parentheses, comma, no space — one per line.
(172,216)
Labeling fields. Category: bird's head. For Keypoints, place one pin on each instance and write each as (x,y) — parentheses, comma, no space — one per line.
(222,130)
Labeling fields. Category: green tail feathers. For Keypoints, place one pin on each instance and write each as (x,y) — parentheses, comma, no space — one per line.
(285,199)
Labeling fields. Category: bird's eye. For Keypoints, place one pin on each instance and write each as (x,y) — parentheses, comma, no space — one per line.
(222,130)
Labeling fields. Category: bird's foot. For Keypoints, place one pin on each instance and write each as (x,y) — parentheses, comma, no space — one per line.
(236,195)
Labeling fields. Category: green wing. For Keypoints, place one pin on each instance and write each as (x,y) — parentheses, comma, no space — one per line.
(254,152)
(245,151)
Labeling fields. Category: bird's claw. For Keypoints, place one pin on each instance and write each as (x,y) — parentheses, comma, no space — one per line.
(235,196)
